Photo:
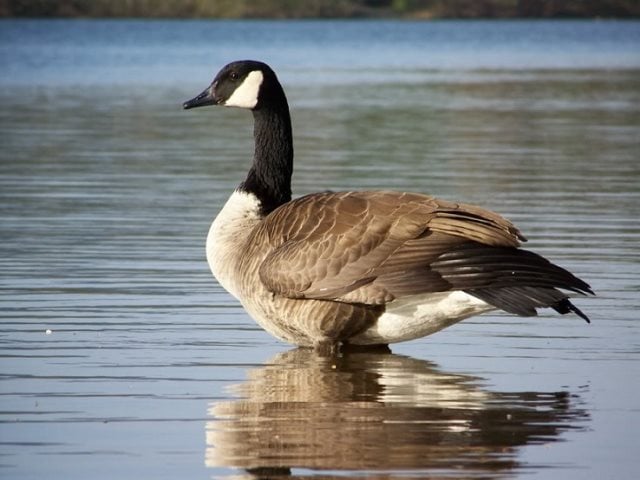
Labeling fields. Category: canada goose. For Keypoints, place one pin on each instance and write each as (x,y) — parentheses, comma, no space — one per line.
(360,267)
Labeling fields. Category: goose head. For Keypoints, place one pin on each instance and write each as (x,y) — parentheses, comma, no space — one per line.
(253,85)
(244,84)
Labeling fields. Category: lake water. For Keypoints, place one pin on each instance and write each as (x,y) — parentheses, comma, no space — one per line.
(123,358)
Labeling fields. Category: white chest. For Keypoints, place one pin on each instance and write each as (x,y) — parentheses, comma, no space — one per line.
(226,241)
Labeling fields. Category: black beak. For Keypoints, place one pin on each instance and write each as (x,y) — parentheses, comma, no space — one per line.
(207,97)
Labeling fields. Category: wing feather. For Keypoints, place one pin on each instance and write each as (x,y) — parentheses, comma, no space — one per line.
(370,247)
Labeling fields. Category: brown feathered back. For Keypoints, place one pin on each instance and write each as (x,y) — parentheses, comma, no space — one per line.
(369,247)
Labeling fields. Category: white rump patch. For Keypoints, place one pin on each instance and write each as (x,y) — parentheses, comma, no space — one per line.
(246,95)
(420,315)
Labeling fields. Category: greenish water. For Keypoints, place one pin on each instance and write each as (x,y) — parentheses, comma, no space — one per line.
(123,358)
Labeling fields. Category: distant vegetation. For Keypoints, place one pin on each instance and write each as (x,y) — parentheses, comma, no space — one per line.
(322,8)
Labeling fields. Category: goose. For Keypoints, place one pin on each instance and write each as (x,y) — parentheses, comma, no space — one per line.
(334,270)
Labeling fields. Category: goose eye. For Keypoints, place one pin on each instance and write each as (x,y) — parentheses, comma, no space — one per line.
(234,76)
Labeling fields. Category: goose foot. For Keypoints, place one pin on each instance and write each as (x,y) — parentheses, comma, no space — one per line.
(353,348)
(326,348)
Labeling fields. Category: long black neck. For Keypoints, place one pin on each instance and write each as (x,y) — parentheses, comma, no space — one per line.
(270,175)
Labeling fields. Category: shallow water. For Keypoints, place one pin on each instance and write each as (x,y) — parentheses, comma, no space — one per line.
(120,350)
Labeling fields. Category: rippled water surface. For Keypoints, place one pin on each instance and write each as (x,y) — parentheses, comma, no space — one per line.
(123,358)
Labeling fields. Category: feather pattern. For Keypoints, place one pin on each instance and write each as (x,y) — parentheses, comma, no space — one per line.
(338,242)
(363,267)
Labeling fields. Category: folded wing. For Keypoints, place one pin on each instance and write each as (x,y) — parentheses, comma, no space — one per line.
(373,247)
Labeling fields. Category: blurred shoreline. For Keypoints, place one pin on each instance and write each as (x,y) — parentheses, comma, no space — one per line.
(282,9)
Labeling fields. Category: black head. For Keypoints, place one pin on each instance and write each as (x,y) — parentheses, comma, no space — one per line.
(244,84)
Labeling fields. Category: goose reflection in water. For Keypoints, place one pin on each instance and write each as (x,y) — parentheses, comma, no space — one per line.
(371,412)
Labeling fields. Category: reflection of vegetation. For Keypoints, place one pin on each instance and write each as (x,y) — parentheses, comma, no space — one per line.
(322,8)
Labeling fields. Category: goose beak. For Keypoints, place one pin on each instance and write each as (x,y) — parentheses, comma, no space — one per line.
(208,97)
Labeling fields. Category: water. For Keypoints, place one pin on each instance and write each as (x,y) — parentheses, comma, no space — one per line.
(121,356)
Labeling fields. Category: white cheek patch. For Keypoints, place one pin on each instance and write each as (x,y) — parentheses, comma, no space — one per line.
(246,95)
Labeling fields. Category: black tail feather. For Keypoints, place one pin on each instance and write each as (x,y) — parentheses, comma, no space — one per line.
(565,306)
(524,301)
(511,279)
(478,267)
